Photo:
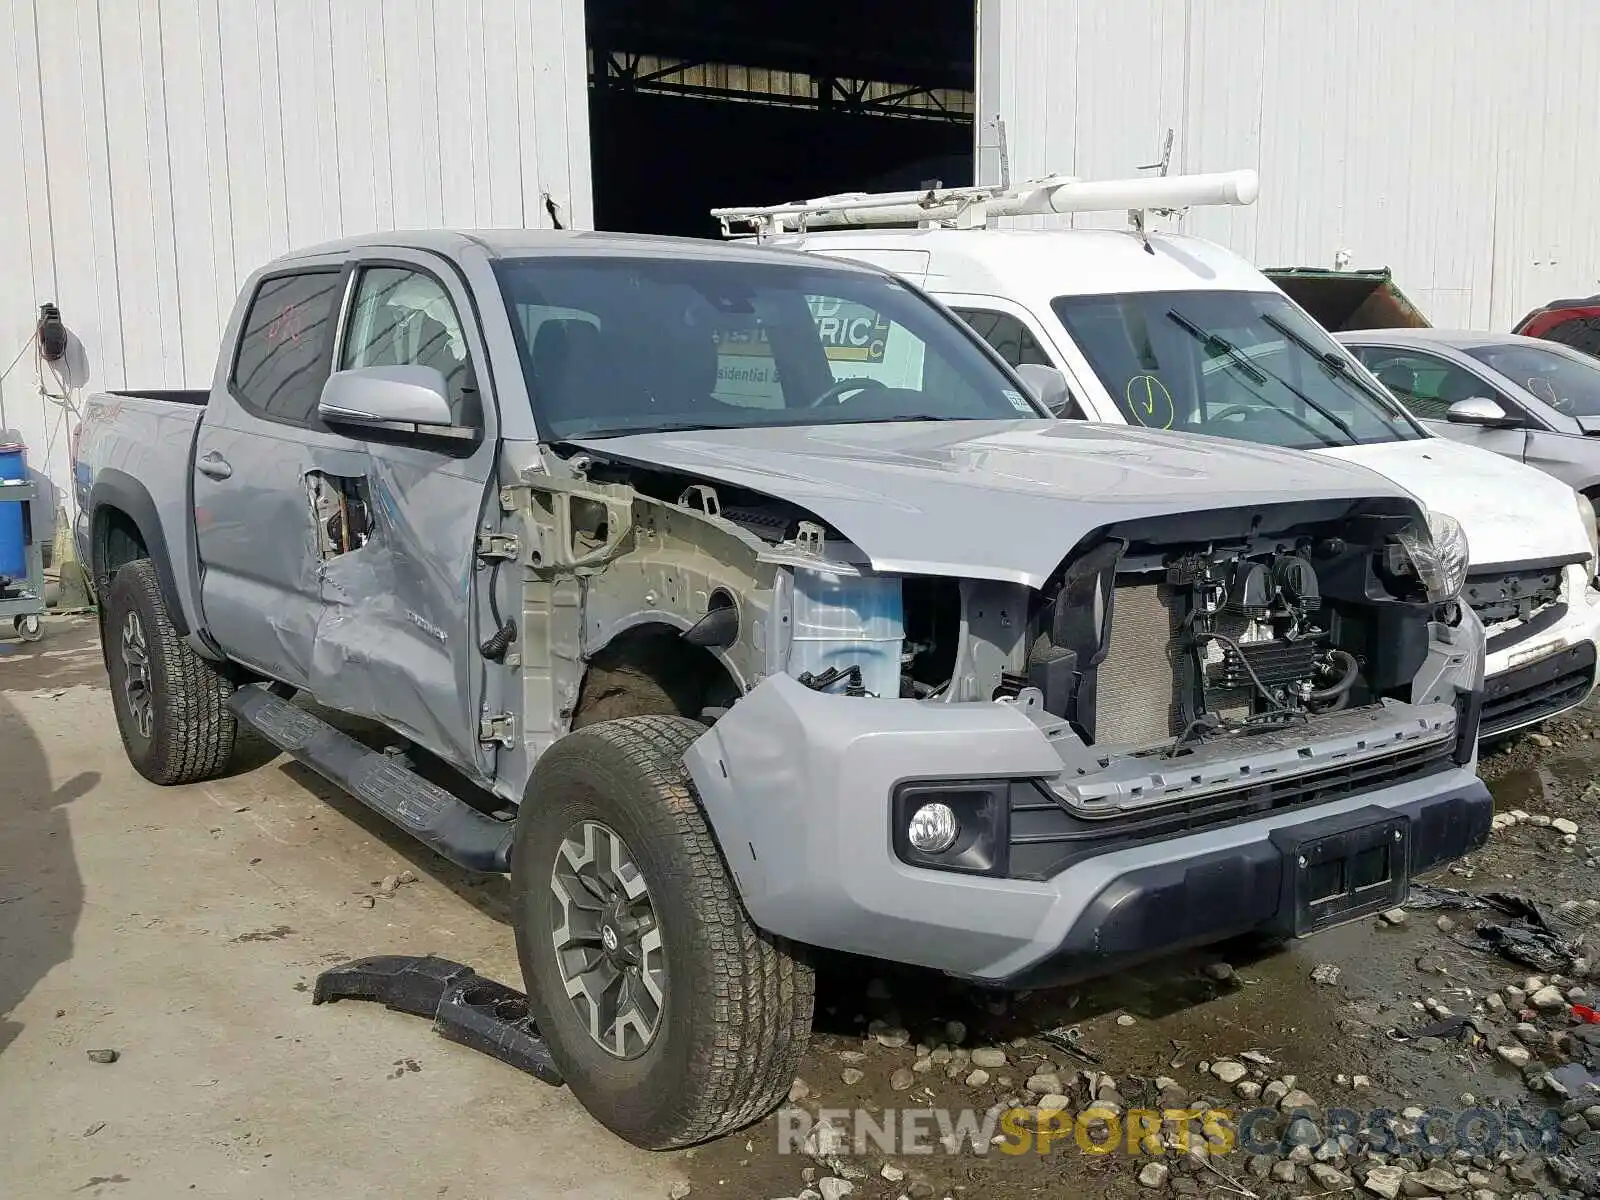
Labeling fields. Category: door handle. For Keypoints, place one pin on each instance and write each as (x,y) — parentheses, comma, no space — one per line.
(214,465)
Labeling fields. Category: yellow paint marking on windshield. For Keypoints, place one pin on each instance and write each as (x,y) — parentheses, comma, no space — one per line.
(1146,397)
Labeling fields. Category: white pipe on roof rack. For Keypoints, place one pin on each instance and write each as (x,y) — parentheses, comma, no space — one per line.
(1058,194)
(1161,191)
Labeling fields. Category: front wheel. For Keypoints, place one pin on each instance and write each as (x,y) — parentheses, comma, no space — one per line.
(29,628)
(672,1018)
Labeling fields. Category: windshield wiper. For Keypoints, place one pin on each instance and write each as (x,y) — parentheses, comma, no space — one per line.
(1218,345)
(1335,366)
(1260,374)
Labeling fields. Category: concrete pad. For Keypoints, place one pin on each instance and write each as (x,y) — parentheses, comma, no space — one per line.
(183,927)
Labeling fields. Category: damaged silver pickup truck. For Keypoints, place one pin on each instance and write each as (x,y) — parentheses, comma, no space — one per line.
(740,603)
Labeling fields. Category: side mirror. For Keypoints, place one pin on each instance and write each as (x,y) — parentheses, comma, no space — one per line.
(1049,387)
(410,395)
(1480,410)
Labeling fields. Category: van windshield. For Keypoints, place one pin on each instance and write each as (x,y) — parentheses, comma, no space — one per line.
(1244,365)
(616,345)
(1567,381)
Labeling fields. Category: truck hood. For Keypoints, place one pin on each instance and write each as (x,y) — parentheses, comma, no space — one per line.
(1003,500)
(1511,512)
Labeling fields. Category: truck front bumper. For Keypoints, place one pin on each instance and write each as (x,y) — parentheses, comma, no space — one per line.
(1543,667)
(801,789)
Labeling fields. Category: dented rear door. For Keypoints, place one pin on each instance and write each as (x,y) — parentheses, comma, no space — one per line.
(261,585)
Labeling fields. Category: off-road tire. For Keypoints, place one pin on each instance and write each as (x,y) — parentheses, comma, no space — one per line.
(193,730)
(736,1015)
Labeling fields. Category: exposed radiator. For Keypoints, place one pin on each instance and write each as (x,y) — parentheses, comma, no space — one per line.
(1136,690)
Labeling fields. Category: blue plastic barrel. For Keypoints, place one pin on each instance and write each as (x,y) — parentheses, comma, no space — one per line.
(13,551)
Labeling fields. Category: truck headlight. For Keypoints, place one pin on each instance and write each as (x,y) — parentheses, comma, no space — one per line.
(1591,527)
(1439,554)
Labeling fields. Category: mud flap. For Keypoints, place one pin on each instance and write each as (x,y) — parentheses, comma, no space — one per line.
(465,1007)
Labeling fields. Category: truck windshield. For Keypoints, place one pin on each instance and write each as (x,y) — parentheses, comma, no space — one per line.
(1245,365)
(613,345)
(1566,381)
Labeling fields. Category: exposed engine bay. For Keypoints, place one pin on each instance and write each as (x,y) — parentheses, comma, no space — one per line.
(1152,637)
(1237,642)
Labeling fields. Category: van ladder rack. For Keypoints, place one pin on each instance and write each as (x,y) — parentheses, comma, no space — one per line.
(975,207)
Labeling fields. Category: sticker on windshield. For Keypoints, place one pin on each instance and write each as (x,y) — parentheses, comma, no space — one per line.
(1148,402)
(1017,401)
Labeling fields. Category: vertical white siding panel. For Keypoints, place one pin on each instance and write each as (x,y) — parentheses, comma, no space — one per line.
(269,107)
(354,28)
(554,131)
(311,166)
(1451,149)
(143,211)
(160,150)
(457,152)
(215,168)
(24,219)
(501,115)
(1220,122)
(78,183)
(406,95)
(163,224)
(202,247)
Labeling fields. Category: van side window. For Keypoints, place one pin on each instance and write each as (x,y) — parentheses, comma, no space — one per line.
(1008,335)
(405,318)
(282,360)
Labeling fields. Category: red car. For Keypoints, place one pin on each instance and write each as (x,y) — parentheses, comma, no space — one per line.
(1574,323)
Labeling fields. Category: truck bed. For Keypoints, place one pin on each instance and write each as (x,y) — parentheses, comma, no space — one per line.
(195,396)
(141,441)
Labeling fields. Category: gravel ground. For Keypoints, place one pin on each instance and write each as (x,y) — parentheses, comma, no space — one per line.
(1317,1026)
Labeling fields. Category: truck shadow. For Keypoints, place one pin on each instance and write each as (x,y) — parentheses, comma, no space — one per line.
(489,894)
(41,891)
(853,991)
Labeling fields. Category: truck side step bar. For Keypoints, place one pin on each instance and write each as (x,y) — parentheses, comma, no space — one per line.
(464,1006)
(442,822)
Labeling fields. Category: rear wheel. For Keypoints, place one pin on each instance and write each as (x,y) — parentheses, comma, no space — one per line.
(171,704)
(673,1019)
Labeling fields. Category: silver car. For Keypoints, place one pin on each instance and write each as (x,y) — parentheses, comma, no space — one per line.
(1529,399)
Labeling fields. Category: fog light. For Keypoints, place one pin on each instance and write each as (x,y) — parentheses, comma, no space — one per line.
(933,828)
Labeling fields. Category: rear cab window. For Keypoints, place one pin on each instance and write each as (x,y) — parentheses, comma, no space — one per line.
(282,359)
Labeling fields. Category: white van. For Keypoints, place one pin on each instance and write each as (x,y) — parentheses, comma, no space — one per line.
(1174,332)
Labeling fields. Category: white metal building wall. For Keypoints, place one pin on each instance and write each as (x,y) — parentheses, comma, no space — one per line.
(154,152)
(1452,141)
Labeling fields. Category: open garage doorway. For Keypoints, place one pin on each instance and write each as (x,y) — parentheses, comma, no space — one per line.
(701,103)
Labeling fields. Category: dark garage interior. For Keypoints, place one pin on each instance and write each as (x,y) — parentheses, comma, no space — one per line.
(699,103)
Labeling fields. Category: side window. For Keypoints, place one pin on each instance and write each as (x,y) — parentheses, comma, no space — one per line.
(1426,385)
(281,362)
(1008,335)
(403,317)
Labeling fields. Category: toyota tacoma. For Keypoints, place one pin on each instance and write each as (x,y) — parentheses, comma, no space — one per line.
(732,635)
